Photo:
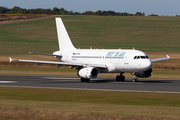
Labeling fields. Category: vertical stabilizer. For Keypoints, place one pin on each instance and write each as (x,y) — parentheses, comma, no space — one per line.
(64,40)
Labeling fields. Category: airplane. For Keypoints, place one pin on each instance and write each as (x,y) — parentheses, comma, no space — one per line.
(90,62)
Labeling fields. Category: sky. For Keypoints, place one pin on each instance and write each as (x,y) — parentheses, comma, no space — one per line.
(159,7)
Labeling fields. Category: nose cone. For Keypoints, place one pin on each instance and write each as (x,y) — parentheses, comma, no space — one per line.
(146,65)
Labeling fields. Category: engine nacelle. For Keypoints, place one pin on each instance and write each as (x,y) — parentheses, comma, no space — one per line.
(144,74)
(90,72)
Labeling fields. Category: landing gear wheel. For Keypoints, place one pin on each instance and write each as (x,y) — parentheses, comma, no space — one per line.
(82,80)
(120,78)
(135,80)
(117,78)
(85,80)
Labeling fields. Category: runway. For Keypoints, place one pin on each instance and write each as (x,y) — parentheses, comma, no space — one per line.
(144,85)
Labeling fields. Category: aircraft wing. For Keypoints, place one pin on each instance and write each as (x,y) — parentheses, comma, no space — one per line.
(59,63)
(160,59)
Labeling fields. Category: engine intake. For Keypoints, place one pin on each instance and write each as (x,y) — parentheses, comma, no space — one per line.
(90,72)
(144,74)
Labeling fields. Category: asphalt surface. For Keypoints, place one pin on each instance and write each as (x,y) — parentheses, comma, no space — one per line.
(147,85)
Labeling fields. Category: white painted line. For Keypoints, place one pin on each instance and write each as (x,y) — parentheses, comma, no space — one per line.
(67,78)
(59,78)
(8,81)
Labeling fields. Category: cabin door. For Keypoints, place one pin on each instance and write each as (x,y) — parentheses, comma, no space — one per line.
(126,58)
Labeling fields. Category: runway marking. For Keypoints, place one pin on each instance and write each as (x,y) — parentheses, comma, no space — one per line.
(8,81)
(67,78)
(56,78)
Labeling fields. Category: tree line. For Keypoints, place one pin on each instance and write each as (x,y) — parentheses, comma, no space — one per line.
(62,11)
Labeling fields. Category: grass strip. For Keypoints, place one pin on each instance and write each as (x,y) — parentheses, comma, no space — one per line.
(149,34)
(86,102)
(25,113)
(65,71)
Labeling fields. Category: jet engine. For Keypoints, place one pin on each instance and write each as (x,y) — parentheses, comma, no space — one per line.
(89,72)
(144,74)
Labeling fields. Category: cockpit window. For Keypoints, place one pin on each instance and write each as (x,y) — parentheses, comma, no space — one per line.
(141,57)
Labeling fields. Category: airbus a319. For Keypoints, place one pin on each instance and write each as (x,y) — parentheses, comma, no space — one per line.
(90,62)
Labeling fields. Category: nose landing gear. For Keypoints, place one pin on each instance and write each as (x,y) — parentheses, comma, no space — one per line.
(134,77)
(85,79)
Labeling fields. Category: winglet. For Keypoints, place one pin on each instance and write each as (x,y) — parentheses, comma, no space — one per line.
(167,56)
(10,59)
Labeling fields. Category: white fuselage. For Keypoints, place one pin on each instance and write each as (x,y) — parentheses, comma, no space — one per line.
(91,62)
(116,60)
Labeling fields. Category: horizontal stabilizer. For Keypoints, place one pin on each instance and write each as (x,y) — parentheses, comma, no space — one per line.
(44,54)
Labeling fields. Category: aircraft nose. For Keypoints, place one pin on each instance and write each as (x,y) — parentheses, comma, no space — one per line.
(147,64)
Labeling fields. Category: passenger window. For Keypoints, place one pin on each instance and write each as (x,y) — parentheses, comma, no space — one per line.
(135,57)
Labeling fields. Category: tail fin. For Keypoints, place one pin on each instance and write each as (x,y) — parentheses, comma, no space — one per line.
(65,43)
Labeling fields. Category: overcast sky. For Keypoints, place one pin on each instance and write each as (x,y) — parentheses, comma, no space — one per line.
(159,7)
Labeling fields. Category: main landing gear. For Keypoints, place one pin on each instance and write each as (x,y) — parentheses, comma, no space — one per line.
(120,77)
(85,79)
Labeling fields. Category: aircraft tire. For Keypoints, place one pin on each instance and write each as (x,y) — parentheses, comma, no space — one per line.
(117,78)
(82,80)
(122,78)
(87,80)
(135,80)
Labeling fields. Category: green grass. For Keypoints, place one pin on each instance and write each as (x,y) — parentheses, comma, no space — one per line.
(53,71)
(19,38)
(50,71)
(85,96)
(149,34)
(112,103)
